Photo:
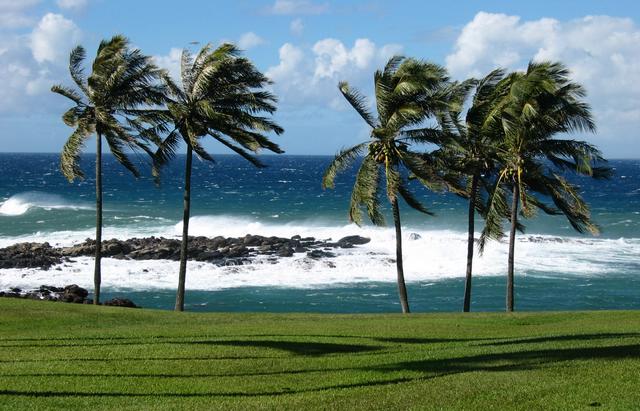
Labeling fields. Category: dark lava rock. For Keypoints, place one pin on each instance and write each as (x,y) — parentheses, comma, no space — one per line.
(218,250)
(253,240)
(121,302)
(209,255)
(317,254)
(74,294)
(71,293)
(237,251)
(285,251)
(351,240)
(29,255)
(9,294)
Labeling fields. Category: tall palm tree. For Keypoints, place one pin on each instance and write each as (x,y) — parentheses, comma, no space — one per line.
(471,148)
(122,86)
(542,102)
(407,92)
(221,95)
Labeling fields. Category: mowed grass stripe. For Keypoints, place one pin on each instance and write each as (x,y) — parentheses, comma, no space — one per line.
(58,355)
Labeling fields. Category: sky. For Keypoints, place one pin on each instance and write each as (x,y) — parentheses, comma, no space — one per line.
(307,46)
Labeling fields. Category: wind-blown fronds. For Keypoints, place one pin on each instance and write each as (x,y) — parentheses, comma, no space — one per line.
(222,95)
(340,163)
(358,102)
(407,92)
(541,103)
(404,92)
(365,193)
(113,101)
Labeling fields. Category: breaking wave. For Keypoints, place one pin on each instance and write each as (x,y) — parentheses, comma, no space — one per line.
(21,203)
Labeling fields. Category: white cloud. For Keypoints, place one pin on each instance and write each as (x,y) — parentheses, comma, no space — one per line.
(288,74)
(53,38)
(296,27)
(17,5)
(250,40)
(298,7)
(332,56)
(41,84)
(311,75)
(72,4)
(14,13)
(170,62)
(21,77)
(602,53)
(31,63)
(11,20)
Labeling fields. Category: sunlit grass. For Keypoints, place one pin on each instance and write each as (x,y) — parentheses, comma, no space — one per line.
(78,357)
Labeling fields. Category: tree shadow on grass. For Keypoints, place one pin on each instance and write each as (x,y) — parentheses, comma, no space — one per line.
(559,338)
(58,342)
(142,359)
(296,347)
(429,369)
(519,360)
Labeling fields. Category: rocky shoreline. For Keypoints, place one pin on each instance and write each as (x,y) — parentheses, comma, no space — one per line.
(69,294)
(218,250)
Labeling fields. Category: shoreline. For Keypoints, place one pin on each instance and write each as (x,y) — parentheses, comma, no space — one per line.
(221,251)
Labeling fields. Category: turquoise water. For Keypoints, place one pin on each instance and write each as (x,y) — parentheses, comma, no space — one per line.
(556,267)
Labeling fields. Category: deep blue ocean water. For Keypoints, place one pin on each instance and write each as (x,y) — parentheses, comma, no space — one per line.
(556,268)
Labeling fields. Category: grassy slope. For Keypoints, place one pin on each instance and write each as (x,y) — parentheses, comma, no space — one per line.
(76,356)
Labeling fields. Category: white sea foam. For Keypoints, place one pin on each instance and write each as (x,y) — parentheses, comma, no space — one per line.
(436,254)
(21,203)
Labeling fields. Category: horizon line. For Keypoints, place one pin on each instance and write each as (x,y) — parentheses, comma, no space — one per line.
(234,154)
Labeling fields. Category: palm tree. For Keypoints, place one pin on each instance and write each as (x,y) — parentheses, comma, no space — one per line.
(542,102)
(471,148)
(407,92)
(221,96)
(121,86)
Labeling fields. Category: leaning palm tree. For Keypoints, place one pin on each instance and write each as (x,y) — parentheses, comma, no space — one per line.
(407,92)
(221,95)
(542,102)
(121,86)
(471,149)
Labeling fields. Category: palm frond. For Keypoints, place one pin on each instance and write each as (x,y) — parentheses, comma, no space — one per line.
(411,200)
(365,193)
(358,102)
(68,93)
(70,155)
(341,162)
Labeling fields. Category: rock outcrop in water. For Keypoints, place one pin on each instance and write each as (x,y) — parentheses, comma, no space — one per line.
(28,255)
(217,250)
(70,294)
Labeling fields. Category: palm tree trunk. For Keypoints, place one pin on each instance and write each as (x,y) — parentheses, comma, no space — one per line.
(185,233)
(97,275)
(402,288)
(466,306)
(512,243)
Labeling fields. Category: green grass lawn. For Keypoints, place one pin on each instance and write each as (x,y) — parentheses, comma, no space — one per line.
(79,356)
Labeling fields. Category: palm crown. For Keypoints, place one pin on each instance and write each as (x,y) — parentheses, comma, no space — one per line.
(541,103)
(221,95)
(122,84)
(407,92)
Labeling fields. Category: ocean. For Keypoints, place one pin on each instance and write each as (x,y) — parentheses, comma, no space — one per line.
(556,268)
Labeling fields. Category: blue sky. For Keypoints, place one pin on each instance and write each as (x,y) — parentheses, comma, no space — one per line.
(307,46)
